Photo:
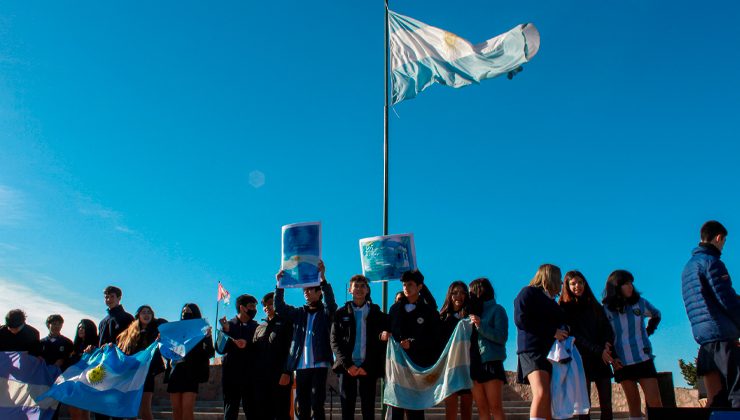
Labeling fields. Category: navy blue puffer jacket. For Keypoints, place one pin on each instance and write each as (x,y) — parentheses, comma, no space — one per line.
(711,303)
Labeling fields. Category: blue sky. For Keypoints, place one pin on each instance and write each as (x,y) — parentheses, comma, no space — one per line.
(129,134)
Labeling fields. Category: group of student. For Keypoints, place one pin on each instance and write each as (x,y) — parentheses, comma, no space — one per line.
(261,361)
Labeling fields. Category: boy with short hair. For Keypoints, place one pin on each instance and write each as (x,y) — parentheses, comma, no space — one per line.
(16,335)
(56,348)
(358,343)
(415,326)
(310,352)
(117,319)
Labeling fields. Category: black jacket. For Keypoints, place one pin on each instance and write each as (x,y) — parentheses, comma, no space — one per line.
(239,363)
(27,339)
(113,324)
(271,348)
(421,326)
(55,348)
(537,317)
(343,335)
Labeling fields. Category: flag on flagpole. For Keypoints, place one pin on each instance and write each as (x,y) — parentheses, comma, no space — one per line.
(105,381)
(411,387)
(422,55)
(223,294)
(23,379)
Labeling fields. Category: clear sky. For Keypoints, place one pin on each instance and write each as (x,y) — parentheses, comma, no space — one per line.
(130,132)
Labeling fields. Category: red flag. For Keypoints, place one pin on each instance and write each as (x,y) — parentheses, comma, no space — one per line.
(223,294)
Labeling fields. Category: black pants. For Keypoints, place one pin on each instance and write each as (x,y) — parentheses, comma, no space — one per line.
(273,401)
(604,389)
(236,395)
(310,389)
(99,416)
(395,413)
(723,356)
(348,386)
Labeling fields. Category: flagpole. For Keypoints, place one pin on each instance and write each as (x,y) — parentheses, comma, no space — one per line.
(215,323)
(385,150)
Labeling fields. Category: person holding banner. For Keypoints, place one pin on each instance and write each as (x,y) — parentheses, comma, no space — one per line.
(85,337)
(187,373)
(491,333)
(359,347)
(239,359)
(455,308)
(415,326)
(310,352)
(137,337)
(539,321)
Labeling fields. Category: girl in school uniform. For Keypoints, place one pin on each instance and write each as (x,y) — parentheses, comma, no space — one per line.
(593,334)
(85,337)
(627,312)
(539,321)
(455,308)
(489,341)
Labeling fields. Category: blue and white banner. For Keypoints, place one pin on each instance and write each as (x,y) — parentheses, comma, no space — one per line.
(411,387)
(23,381)
(177,338)
(301,253)
(422,55)
(387,257)
(105,381)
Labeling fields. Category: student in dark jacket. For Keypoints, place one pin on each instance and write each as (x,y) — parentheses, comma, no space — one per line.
(138,337)
(239,360)
(86,337)
(185,375)
(713,308)
(310,351)
(455,308)
(539,322)
(56,348)
(593,335)
(16,335)
(415,326)
(271,347)
(357,342)
(117,319)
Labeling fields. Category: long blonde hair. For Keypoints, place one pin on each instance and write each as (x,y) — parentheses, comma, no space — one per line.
(548,277)
(128,340)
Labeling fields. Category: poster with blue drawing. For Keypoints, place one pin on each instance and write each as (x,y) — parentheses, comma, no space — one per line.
(387,257)
(301,254)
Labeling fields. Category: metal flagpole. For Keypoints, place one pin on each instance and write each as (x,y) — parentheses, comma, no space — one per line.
(384,408)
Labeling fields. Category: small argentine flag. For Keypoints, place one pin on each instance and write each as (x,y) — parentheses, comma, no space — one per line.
(422,55)
(105,381)
(411,387)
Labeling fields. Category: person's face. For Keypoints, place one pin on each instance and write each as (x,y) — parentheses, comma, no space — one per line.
(411,289)
(185,310)
(358,290)
(81,331)
(576,286)
(145,316)
(458,298)
(56,327)
(719,242)
(269,308)
(243,309)
(627,289)
(311,294)
(111,300)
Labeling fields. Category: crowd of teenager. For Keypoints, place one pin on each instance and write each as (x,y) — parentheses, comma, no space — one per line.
(260,361)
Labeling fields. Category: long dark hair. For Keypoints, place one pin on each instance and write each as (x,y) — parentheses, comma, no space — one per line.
(193,308)
(448,306)
(91,334)
(567,297)
(481,291)
(613,298)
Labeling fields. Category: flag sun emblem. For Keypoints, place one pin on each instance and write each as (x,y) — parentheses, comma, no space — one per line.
(96,374)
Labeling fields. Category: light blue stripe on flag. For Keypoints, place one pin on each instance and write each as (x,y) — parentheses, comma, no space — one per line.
(176,339)
(422,55)
(105,381)
(412,387)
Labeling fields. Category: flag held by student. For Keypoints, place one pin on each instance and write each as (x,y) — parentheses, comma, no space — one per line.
(411,387)
(23,381)
(422,55)
(105,381)
(176,339)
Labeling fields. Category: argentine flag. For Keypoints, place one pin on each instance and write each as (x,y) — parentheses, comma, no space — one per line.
(411,387)
(422,55)
(105,381)
(23,381)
